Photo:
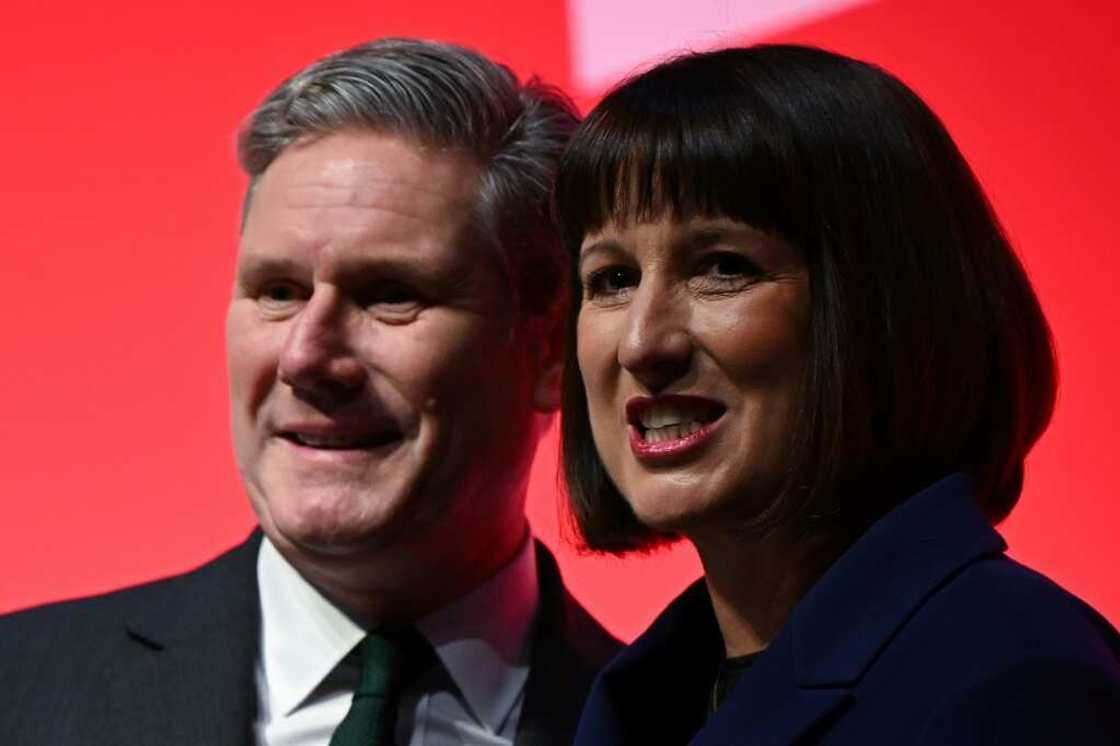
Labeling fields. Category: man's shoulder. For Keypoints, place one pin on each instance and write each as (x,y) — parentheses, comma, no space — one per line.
(570,647)
(81,621)
(586,636)
(93,669)
(564,617)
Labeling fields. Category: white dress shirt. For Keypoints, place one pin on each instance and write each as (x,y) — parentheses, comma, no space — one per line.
(306,671)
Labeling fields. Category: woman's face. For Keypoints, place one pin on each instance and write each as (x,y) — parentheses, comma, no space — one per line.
(691,341)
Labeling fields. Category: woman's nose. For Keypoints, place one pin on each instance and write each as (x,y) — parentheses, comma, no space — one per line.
(657,346)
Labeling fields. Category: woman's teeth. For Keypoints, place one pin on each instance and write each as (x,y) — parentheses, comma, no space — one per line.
(671,432)
(674,420)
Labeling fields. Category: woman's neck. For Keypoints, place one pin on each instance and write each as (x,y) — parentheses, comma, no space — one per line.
(754,585)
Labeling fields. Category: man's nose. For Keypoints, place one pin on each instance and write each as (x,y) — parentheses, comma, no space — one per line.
(657,346)
(318,359)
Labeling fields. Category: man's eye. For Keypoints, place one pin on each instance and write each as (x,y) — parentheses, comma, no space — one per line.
(396,294)
(610,281)
(393,295)
(280,292)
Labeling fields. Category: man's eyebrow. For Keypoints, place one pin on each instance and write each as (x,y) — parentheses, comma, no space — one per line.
(252,266)
(363,268)
(355,271)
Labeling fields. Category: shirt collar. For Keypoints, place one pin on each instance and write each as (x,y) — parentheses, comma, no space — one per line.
(303,636)
(482,638)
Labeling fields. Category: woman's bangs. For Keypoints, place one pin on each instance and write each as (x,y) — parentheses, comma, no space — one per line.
(635,163)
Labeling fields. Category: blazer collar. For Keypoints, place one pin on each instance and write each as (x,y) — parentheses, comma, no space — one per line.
(189,678)
(219,597)
(871,590)
(852,612)
(659,684)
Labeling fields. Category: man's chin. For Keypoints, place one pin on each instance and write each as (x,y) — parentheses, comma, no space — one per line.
(329,533)
(337,543)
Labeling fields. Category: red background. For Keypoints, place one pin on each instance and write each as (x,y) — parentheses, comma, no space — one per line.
(118,222)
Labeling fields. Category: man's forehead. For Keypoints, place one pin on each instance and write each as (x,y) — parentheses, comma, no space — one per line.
(368,169)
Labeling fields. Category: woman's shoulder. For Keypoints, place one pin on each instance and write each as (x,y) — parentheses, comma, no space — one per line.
(1009,656)
(996,648)
(1017,613)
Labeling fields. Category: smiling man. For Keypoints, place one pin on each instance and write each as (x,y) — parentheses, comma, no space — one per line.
(393,352)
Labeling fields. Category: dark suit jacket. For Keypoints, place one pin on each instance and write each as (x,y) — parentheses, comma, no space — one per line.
(923,632)
(171,662)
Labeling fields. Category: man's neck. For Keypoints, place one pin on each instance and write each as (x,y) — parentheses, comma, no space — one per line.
(408,580)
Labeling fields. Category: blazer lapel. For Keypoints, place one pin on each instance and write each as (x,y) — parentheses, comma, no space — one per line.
(854,610)
(657,689)
(806,677)
(768,707)
(190,678)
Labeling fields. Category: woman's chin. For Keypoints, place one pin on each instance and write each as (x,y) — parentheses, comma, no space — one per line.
(692,513)
(670,516)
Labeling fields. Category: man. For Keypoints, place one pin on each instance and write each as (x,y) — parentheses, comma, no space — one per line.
(393,358)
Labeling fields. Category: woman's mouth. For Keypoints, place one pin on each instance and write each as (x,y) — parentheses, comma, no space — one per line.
(667,428)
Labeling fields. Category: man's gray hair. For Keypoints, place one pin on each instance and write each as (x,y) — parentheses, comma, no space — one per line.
(442,96)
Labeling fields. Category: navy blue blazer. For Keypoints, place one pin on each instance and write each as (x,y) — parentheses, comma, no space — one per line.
(923,632)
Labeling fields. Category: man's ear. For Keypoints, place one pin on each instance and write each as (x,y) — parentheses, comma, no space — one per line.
(546,393)
(546,339)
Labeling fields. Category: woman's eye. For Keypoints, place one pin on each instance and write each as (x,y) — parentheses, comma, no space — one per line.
(610,281)
(723,272)
(725,264)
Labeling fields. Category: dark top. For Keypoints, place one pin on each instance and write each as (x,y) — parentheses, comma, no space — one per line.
(922,632)
(730,671)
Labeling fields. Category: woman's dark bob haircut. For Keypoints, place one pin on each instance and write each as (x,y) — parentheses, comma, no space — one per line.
(928,351)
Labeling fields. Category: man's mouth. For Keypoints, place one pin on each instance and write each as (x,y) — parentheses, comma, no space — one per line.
(667,418)
(341,441)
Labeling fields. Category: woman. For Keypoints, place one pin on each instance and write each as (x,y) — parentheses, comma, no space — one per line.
(801,341)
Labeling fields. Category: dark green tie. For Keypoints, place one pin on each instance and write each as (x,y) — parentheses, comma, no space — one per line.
(391,658)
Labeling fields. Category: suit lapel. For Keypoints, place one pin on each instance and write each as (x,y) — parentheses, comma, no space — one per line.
(189,679)
(569,648)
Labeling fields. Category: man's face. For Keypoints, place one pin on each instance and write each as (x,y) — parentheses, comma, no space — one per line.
(382,391)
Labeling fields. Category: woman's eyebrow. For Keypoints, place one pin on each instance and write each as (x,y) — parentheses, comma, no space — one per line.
(707,234)
(607,246)
(704,236)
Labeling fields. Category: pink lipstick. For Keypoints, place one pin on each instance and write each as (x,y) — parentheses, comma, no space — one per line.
(669,428)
